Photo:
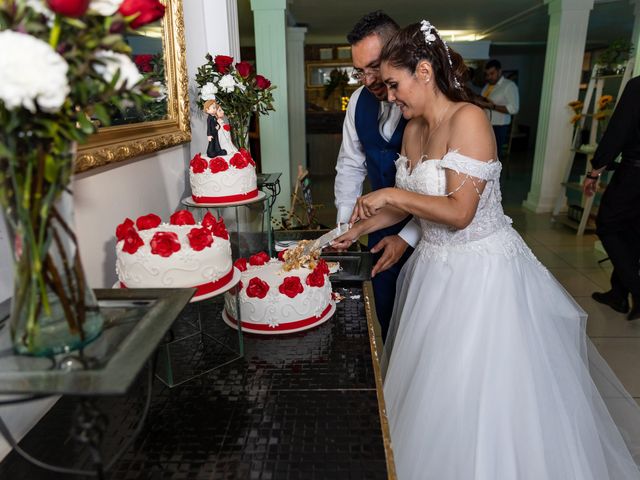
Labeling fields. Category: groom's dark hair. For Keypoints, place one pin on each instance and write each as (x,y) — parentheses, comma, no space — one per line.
(376,22)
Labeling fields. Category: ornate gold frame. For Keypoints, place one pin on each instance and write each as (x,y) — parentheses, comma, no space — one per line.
(114,144)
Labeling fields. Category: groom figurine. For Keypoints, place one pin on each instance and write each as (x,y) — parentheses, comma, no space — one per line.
(371,140)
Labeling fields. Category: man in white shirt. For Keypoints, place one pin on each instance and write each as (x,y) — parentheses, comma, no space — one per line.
(371,140)
(503,96)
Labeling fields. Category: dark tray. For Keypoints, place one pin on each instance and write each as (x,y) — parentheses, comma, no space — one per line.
(355,266)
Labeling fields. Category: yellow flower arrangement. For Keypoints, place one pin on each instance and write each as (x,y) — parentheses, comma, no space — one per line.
(576,118)
(604,101)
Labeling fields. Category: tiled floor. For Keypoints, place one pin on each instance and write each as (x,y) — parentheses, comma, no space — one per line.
(573,260)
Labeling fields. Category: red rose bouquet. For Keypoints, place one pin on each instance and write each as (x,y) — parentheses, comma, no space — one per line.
(239,91)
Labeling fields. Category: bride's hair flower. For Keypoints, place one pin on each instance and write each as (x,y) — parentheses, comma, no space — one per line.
(111,62)
(22,83)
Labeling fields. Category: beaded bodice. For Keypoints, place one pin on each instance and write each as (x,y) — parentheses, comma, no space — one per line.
(490,231)
(428,177)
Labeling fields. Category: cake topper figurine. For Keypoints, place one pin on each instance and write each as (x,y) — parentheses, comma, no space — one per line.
(215,123)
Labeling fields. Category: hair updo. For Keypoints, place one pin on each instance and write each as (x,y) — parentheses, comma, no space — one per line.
(408,47)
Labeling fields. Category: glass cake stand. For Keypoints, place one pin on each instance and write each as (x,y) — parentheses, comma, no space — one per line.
(191,349)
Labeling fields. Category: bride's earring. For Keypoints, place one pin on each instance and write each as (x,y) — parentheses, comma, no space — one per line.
(427,80)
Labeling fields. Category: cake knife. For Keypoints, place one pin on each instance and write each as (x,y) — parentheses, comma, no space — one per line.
(325,239)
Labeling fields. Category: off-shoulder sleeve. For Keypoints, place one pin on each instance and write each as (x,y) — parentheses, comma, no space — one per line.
(470,166)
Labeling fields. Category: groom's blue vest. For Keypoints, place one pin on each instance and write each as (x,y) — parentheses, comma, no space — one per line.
(380,154)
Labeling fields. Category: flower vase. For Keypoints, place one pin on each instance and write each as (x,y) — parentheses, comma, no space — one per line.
(240,130)
(53,310)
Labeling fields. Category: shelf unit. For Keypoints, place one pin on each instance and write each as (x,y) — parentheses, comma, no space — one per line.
(589,109)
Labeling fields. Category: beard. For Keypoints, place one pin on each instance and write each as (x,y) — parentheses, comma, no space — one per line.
(379,90)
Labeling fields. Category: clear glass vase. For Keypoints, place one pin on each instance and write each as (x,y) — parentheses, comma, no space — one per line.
(240,129)
(53,310)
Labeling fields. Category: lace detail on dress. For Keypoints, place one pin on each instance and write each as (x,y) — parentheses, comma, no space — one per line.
(469,166)
(438,240)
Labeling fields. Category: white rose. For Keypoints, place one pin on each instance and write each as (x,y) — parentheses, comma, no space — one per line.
(39,6)
(111,63)
(106,8)
(25,82)
(209,91)
(227,83)
(162,90)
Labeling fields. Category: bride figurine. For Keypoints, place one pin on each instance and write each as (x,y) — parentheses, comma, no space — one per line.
(490,373)
(218,132)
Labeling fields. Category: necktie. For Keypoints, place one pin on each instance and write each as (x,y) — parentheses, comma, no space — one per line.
(488,91)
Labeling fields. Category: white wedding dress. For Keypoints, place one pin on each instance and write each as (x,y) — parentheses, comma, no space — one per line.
(489,373)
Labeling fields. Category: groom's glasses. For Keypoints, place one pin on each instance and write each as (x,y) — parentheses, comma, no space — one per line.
(360,75)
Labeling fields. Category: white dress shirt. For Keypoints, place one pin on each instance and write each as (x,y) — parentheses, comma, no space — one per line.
(351,166)
(504,93)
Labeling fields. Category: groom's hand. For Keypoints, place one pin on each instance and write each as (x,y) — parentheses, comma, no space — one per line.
(394,247)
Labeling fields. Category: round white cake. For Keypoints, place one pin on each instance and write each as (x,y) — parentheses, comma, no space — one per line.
(275,301)
(224,179)
(179,254)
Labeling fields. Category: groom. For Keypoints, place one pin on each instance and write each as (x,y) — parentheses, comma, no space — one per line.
(371,140)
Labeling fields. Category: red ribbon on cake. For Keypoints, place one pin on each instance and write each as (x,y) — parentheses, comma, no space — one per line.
(227,198)
(206,287)
(283,326)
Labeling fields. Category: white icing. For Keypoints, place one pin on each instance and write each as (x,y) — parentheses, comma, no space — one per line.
(276,308)
(233,181)
(184,268)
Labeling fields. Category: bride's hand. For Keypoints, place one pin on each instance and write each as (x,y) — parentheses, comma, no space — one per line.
(345,240)
(369,204)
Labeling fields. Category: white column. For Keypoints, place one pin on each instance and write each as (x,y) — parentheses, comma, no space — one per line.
(215,22)
(296,84)
(566,40)
(271,61)
(635,37)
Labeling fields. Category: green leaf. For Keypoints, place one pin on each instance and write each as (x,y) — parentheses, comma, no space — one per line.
(85,124)
(51,168)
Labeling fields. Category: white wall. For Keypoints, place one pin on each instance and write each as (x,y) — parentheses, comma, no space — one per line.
(155,183)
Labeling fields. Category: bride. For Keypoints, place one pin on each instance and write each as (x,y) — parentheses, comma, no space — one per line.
(490,373)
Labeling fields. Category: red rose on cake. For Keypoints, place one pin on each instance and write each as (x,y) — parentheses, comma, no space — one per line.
(247,156)
(218,164)
(259,259)
(257,288)
(200,238)
(220,229)
(281,255)
(241,264)
(164,244)
(198,164)
(291,286)
(182,217)
(146,222)
(322,267)
(123,229)
(223,62)
(315,279)
(132,241)
(238,161)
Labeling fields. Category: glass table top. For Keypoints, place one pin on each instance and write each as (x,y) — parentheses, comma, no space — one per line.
(135,322)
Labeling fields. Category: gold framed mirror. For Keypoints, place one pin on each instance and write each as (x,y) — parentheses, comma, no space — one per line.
(117,143)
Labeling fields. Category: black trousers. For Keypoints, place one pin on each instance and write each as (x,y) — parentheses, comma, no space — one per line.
(618,226)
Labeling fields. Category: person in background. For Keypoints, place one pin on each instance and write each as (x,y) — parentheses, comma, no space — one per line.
(618,220)
(371,139)
(504,100)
